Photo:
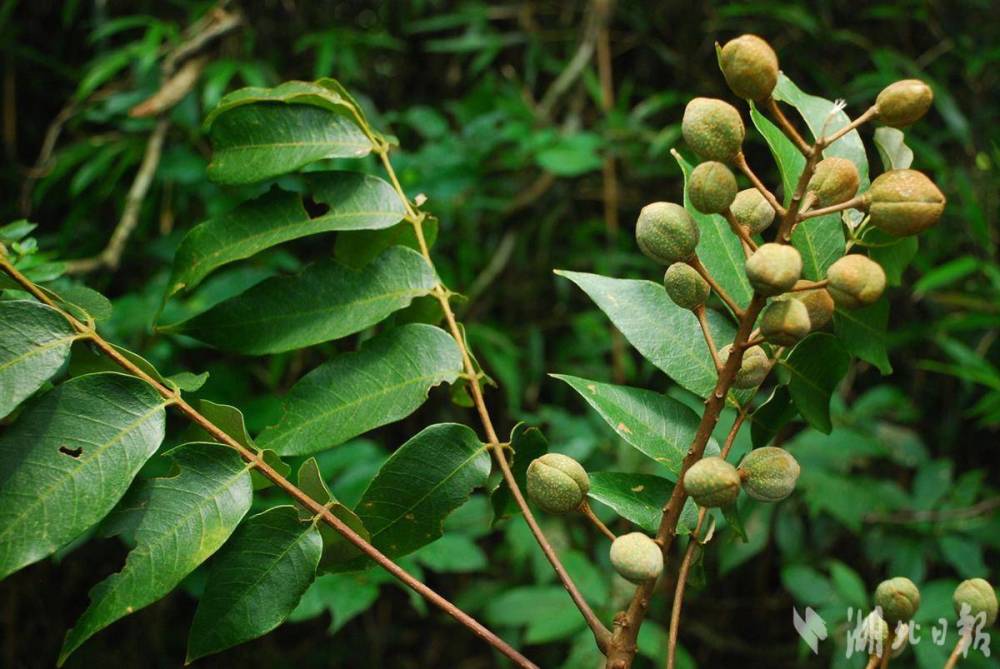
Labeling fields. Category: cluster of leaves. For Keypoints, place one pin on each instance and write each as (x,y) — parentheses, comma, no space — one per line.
(474,143)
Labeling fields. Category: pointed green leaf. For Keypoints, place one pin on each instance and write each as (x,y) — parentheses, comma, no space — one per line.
(815,367)
(180,522)
(336,549)
(639,498)
(718,248)
(324,94)
(69,458)
(816,112)
(388,379)
(255,142)
(356,201)
(862,332)
(430,476)
(326,301)
(526,444)
(34,345)
(656,425)
(789,159)
(255,581)
(892,148)
(665,334)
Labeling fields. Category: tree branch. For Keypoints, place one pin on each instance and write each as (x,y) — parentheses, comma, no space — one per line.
(787,127)
(254,460)
(622,648)
(744,166)
(441,293)
(719,290)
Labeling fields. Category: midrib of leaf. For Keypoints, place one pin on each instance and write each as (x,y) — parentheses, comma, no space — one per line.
(341,305)
(40,349)
(797,374)
(73,473)
(272,230)
(847,316)
(433,489)
(248,147)
(341,407)
(270,566)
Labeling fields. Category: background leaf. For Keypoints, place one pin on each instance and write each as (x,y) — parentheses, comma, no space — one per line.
(815,367)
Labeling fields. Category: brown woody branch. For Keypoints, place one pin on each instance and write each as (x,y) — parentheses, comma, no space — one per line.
(254,460)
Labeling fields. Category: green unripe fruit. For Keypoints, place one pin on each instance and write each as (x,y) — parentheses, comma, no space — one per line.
(685,286)
(904,102)
(666,232)
(769,473)
(557,483)
(712,482)
(835,180)
(636,557)
(874,629)
(855,281)
(750,67)
(774,268)
(752,211)
(978,594)
(753,368)
(784,322)
(899,599)
(711,187)
(904,202)
(713,129)
(817,301)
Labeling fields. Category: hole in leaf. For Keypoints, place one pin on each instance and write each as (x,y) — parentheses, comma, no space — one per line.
(71,452)
(313,208)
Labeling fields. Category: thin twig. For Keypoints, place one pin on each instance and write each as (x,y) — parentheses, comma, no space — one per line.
(869,113)
(740,231)
(682,577)
(719,290)
(706,330)
(589,513)
(959,648)
(254,459)
(872,662)
(574,68)
(744,166)
(601,633)
(854,203)
(787,127)
(935,515)
(111,256)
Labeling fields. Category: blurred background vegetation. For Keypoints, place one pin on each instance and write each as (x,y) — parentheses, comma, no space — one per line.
(537,130)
